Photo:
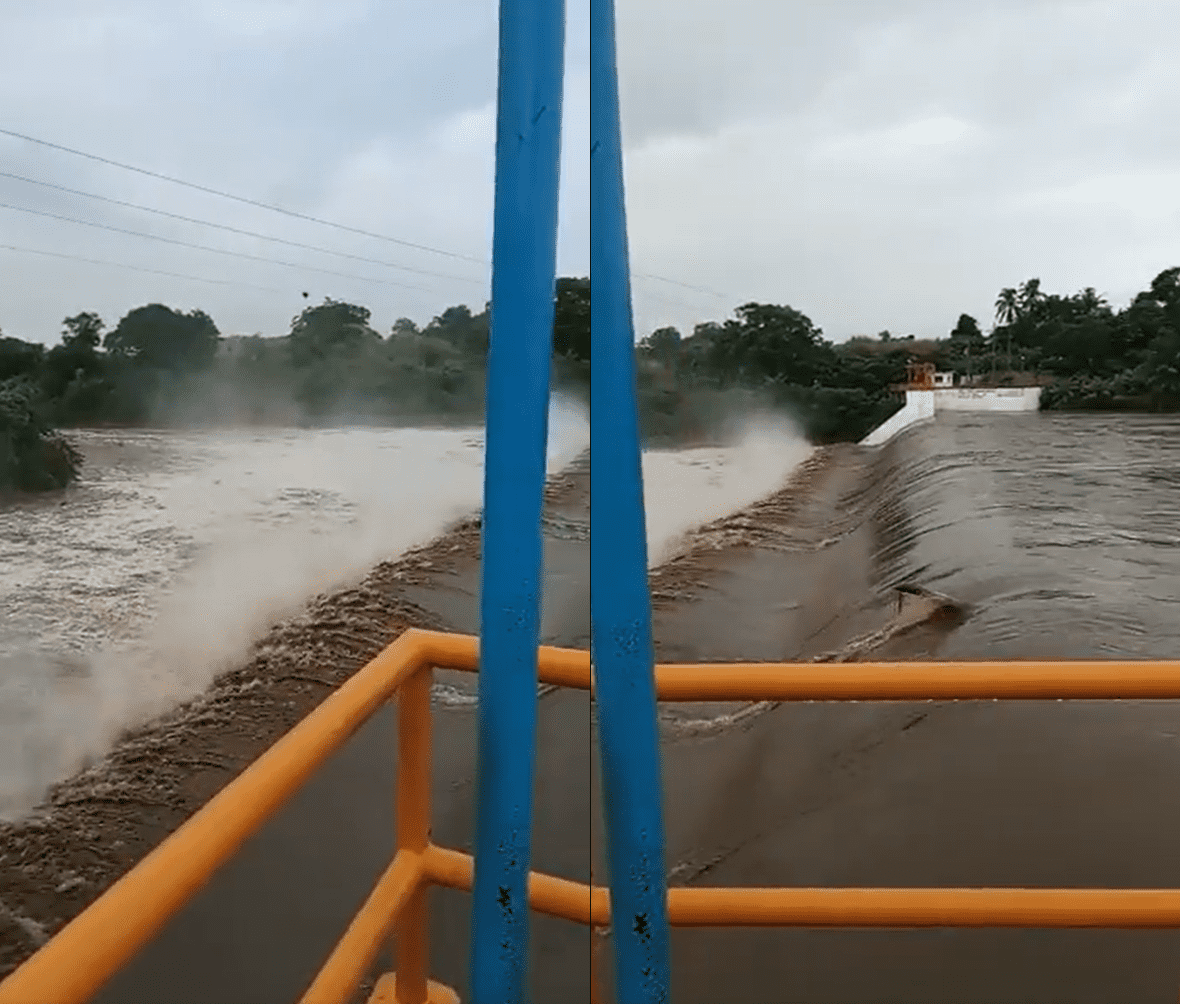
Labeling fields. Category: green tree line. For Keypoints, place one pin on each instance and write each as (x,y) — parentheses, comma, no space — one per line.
(161,366)
(1084,353)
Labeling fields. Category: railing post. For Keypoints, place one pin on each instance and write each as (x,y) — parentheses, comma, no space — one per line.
(413,829)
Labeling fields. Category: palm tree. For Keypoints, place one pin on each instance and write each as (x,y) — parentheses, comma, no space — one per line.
(1032,303)
(1030,296)
(1089,301)
(1007,306)
(1008,312)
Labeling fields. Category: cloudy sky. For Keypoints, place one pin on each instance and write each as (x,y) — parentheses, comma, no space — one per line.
(890,165)
(376,115)
(874,164)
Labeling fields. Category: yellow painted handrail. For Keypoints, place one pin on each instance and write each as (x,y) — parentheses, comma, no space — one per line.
(76,963)
(72,967)
(918,681)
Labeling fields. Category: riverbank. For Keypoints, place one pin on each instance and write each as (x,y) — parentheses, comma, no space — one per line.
(33,457)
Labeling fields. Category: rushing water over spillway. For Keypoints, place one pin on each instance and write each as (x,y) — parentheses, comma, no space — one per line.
(1056,536)
(130,591)
(1060,532)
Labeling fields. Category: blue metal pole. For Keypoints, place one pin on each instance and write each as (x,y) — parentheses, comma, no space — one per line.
(620,602)
(524,251)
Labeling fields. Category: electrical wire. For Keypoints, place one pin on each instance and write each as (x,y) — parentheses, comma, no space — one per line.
(235,230)
(137,268)
(205,247)
(238,198)
(682,285)
(282,210)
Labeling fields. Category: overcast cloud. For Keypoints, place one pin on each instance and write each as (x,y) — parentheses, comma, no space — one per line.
(378,115)
(875,165)
(891,165)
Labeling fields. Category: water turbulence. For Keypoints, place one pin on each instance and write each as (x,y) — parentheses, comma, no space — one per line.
(130,592)
(684,489)
(989,537)
(1048,536)
(1055,534)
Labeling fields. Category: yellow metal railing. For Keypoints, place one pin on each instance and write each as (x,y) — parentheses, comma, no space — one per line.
(76,963)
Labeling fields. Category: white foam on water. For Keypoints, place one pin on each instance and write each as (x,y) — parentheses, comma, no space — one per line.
(159,572)
(177,551)
(684,489)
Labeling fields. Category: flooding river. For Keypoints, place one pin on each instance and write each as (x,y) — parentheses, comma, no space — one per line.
(1058,532)
(1062,532)
(131,590)
(1060,535)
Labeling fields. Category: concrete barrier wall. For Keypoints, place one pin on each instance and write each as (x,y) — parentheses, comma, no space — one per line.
(988,399)
(919,407)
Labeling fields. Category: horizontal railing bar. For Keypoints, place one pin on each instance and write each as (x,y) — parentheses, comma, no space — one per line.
(908,908)
(97,943)
(918,681)
(562,667)
(863,681)
(548,894)
(835,907)
(354,953)
(89,950)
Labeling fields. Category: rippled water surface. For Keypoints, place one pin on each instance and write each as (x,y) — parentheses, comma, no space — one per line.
(89,566)
(131,590)
(1062,532)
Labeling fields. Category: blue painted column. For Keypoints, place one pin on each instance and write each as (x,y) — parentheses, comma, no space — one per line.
(524,247)
(619,597)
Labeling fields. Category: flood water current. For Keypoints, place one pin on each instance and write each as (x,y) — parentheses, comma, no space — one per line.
(1059,535)
(128,592)
(1060,532)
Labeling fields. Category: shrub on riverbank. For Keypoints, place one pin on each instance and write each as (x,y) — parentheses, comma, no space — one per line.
(689,416)
(32,456)
(162,367)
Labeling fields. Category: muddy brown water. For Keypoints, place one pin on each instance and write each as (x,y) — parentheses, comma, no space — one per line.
(1057,533)
(1060,535)
(253,933)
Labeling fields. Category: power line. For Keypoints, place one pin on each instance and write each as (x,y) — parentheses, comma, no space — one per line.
(235,230)
(670,301)
(138,268)
(682,285)
(278,209)
(282,210)
(238,198)
(205,247)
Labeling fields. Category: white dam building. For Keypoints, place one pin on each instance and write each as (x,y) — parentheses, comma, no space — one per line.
(928,392)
